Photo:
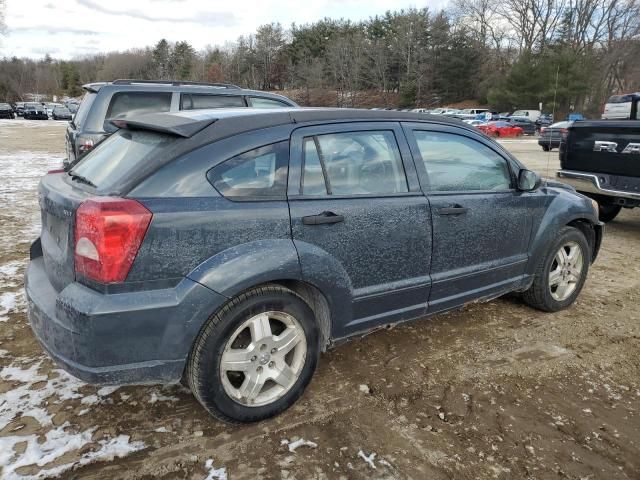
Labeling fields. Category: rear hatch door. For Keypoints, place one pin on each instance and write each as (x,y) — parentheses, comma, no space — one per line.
(59,200)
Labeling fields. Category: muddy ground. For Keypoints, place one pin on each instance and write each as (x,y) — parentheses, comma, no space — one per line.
(495,391)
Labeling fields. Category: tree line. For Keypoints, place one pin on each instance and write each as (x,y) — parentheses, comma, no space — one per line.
(565,54)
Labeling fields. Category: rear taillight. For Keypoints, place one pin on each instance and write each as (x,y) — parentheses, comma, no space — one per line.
(564,131)
(85,145)
(542,130)
(58,170)
(108,234)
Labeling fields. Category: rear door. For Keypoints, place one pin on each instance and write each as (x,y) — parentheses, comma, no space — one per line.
(354,198)
(481,223)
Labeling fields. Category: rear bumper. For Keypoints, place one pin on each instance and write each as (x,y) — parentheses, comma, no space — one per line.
(590,183)
(550,142)
(125,338)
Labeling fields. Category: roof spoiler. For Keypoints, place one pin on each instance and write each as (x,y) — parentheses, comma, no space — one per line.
(164,123)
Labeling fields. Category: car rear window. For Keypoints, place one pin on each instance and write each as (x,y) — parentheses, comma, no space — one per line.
(125,104)
(114,159)
(83,110)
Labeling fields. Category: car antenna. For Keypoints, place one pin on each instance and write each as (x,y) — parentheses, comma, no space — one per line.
(553,117)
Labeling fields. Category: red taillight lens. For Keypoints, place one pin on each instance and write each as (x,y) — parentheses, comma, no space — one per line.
(59,170)
(543,129)
(108,234)
(564,131)
(85,146)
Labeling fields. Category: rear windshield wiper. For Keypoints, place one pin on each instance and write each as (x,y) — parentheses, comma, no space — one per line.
(81,179)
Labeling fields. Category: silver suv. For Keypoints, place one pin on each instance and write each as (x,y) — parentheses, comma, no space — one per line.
(124,98)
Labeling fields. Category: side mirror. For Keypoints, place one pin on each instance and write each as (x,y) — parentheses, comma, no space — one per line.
(528,180)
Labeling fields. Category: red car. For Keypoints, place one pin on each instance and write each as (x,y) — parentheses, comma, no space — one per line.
(500,129)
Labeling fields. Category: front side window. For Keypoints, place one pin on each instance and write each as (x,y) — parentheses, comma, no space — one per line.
(192,101)
(353,163)
(261,102)
(458,163)
(260,173)
(128,104)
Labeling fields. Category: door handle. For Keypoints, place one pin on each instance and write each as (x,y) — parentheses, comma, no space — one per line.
(323,218)
(452,210)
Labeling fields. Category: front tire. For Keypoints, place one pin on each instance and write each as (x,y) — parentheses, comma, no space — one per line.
(561,273)
(255,357)
(546,148)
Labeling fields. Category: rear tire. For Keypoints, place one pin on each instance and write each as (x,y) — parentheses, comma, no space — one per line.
(255,357)
(559,277)
(608,211)
(546,148)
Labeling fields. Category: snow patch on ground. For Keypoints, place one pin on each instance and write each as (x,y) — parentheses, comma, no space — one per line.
(295,444)
(29,397)
(58,442)
(12,302)
(213,473)
(159,397)
(368,458)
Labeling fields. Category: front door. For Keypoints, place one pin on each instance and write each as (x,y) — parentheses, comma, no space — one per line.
(481,223)
(358,214)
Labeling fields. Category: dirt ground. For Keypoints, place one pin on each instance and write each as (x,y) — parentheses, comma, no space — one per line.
(494,391)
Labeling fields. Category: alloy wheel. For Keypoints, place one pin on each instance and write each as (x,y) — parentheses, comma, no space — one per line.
(566,271)
(263,358)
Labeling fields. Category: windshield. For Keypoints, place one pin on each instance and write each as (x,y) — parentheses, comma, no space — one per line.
(113,160)
(83,110)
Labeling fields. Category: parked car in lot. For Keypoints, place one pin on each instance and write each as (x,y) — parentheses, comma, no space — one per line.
(527,126)
(552,136)
(35,111)
(600,160)
(6,111)
(50,107)
(532,115)
(622,107)
(470,113)
(61,113)
(123,98)
(500,129)
(544,120)
(474,123)
(20,108)
(229,248)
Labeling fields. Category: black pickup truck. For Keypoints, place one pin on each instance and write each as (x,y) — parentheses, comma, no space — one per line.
(601,159)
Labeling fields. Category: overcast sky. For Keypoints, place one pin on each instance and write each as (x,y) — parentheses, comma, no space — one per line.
(69,28)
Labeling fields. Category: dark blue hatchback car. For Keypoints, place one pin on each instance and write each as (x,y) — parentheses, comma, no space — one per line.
(228,248)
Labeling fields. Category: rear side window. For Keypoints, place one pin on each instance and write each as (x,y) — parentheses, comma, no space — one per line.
(620,99)
(260,173)
(191,101)
(353,163)
(457,163)
(114,159)
(126,104)
(261,102)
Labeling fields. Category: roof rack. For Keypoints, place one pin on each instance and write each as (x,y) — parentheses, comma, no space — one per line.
(175,83)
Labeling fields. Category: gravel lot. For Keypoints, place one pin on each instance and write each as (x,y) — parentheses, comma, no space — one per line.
(496,390)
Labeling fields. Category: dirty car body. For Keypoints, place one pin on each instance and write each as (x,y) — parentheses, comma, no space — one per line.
(368,218)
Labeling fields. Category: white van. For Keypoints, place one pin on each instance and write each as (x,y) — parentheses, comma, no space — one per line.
(531,115)
(622,107)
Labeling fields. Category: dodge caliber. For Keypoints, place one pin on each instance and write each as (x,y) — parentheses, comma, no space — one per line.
(228,248)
